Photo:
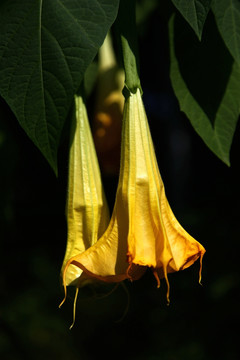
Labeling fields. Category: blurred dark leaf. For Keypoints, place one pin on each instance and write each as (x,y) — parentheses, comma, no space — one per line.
(227,15)
(206,82)
(195,13)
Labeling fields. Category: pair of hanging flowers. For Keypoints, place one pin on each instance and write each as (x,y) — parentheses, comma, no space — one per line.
(142,232)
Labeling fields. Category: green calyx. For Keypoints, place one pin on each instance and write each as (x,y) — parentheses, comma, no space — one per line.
(127,31)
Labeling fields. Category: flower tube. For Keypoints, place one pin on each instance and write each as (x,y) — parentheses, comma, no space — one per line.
(86,208)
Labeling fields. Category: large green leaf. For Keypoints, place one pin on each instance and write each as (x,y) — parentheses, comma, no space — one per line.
(45,48)
(206,82)
(195,12)
(227,15)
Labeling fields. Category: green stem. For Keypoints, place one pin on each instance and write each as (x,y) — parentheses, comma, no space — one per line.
(126,24)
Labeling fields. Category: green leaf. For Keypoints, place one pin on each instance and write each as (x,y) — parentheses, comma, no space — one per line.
(195,12)
(45,48)
(227,15)
(206,82)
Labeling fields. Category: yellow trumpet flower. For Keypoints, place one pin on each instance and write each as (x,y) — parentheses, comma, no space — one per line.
(143,231)
(87,210)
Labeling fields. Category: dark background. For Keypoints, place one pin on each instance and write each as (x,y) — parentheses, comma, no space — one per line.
(201,322)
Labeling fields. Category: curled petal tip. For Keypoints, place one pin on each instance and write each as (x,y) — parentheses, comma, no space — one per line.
(156,277)
(60,305)
(64,299)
